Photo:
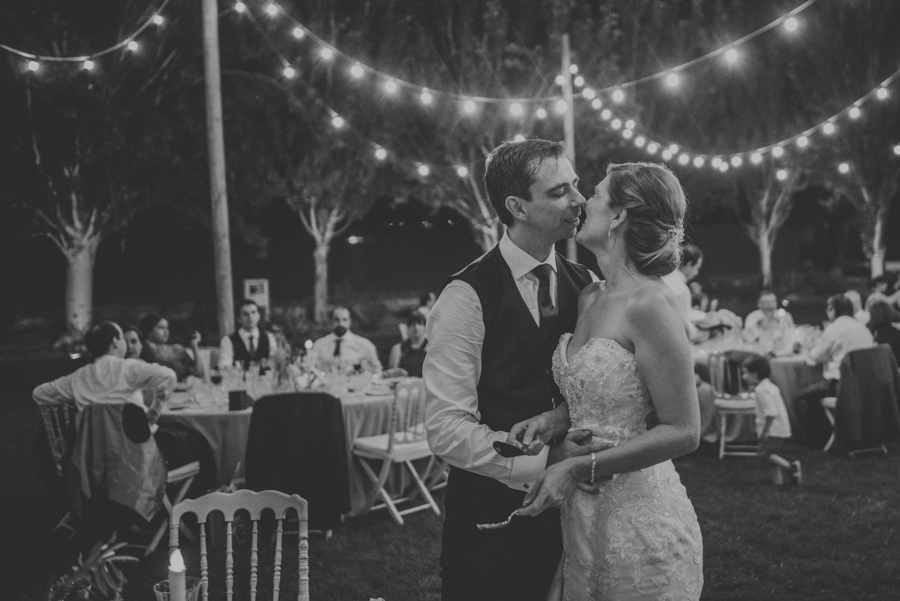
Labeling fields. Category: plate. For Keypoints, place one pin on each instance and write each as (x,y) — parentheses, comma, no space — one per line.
(181,387)
(378,390)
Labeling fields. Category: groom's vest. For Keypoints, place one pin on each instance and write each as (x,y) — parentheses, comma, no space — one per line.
(516,378)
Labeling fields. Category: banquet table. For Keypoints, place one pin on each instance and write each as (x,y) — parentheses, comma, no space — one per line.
(226,431)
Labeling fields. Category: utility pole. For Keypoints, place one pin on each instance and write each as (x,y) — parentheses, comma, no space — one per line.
(569,126)
(216,145)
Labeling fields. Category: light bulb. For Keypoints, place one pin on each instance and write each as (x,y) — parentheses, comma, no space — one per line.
(426,97)
(588,93)
(855,112)
(716,162)
(573,69)
(561,106)
(518,138)
(88,65)
(541,113)
(338,122)
(723,166)
(698,162)
(736,161)
(882,93)
(380,154)
(356,71)
(683,159)
(897,149)
(756,158)
(616,123)
(289,72)
(731,55)
(778,152)
(781,174)
(326,53)
(673,148)
(515,109)
(271,9)
(469,106)
(666,154)
(828,129)
(802,142)
(618,96)
(240,7)
(424,170)
(158,20)
(132,45)
(606,114)
(462,171)
(390,86)
(298,33)
(640,141)
(33,66)
(844,168)
(596,103)
(560,80)
(627,134)
(578,81)
(672,80)
(791,24)
(652,147)
(630,124)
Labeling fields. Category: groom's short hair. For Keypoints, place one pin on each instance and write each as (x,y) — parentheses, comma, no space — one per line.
(510,169)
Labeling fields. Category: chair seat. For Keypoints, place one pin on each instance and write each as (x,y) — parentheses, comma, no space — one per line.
(829,402)
(376,446)
(735,404)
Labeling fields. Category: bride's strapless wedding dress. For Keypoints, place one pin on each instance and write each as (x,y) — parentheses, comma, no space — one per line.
(639,538)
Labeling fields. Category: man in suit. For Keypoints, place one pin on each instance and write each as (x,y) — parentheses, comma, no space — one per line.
(491,336)
(248,344)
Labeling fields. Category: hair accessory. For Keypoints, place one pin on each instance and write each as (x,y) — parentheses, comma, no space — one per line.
(677,232)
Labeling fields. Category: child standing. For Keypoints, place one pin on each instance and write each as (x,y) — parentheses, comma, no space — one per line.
(772,425)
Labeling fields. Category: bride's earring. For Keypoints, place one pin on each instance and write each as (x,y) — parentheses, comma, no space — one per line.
(609,236)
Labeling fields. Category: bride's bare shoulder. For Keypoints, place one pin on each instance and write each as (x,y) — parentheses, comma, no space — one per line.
(589,292)
(654,298)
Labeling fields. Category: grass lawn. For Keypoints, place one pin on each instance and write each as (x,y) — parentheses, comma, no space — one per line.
(836,537)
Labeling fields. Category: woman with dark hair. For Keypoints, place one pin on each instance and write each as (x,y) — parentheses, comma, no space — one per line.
(628,358)
(883,323)
(157,349)
(134,342)
(409,355)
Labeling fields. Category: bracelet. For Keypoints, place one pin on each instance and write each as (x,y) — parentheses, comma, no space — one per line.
(593,466)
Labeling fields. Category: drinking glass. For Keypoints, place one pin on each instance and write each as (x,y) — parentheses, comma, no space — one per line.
(191,585)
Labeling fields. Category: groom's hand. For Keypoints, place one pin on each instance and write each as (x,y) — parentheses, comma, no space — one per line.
(532,434)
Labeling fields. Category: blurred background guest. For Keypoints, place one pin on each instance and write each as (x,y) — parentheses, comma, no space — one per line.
(343,346)
(426,302)
(691,261)
(409,354)
(883,323)
(699,299)
(859,314)
(879,290)
(157,349)
(248,344)
(767,322)
(134,342)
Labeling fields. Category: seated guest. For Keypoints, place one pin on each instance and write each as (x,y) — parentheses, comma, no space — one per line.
(691,261)
(426,302)
(879,290)
(409,355)
(859,314)
(113,379)
(768,322)
(700,300)
(134,342)
(157,349)
(843,334)
(246,345)
(884,323)
(344,346)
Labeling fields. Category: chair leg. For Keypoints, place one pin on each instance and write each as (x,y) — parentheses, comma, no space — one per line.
(830,416)
(422,487)
(179,496)
(378,484)
(721,434)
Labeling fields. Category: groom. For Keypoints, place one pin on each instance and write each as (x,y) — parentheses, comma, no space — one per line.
(491,337)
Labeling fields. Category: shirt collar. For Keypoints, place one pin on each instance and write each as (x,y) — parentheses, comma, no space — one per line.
(520,262)
(245,334)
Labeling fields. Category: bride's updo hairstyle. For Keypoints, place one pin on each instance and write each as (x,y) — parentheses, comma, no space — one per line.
(655,202)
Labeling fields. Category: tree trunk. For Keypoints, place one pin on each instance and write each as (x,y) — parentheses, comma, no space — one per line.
(765,257)
(320,289)
(876,261)
(80,288)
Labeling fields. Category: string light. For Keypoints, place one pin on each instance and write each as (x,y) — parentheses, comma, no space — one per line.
(828,129)
(897,149)
(596,103)
(640,141)
(462,171)
(560,80)
(356,71)
(390,86)
(271,9)
(326,53)
(667,154)
(133,46)
(756,158)
(588,93)
(731,55)
(289,72)
(652,147)
(616,123)
(424,170)
(855,112)
(338,122)
(606,114)
(573,68)
(778,152)
(158,20)
(618,96)
(426,97)
(88,65)
(698,162)
(240,7)
(723,166)
(844,168)
(518,138)
(515,109)
(561,106)
(736,162)
(802,142)
(630,124)
(578,81)
(541,113)
(469,106)
(298,33)
(627,134)
(380,154)
(672,80)
(683,159)
(781,174)
(790,24)
(882,93)
(33,66)
(716,162)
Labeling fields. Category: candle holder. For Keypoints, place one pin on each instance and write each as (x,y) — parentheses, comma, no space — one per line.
(191,585)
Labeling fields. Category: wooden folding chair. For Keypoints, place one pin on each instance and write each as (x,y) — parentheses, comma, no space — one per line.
(254,503)
(728,405)
(404,443)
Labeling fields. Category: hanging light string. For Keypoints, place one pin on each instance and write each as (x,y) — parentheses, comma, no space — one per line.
(359,69)
(156,19)
(644,140)
(340,123)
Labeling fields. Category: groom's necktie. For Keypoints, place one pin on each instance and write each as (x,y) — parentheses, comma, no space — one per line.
(337,346)
(549,313)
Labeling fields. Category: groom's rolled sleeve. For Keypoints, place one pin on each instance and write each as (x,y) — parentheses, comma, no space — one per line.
(455,334)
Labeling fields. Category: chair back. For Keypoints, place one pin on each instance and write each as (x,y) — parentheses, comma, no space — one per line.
(407,413)
(725,375)
(254,503)
(867,411)
(59,422)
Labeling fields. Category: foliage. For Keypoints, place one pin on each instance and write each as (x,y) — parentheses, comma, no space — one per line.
(96,576)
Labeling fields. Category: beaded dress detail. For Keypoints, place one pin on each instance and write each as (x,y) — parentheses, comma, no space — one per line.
(639,538)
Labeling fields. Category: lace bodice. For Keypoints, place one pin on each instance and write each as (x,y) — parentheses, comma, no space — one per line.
(602,387)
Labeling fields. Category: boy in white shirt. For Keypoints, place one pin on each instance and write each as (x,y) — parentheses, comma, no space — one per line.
(773,428)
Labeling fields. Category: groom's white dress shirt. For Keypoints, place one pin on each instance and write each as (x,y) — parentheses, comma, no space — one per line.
(452,368)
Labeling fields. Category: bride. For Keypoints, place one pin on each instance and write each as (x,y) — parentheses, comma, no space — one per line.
(629,529)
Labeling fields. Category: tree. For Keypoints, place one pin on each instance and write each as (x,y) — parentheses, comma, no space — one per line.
(86,147)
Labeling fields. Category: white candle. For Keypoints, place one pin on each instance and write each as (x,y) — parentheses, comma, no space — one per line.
(177,587)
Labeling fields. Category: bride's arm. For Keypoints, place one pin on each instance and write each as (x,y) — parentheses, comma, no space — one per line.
(665,364)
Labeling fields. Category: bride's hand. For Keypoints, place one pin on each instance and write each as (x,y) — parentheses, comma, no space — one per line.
(551,489)
(532,434)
